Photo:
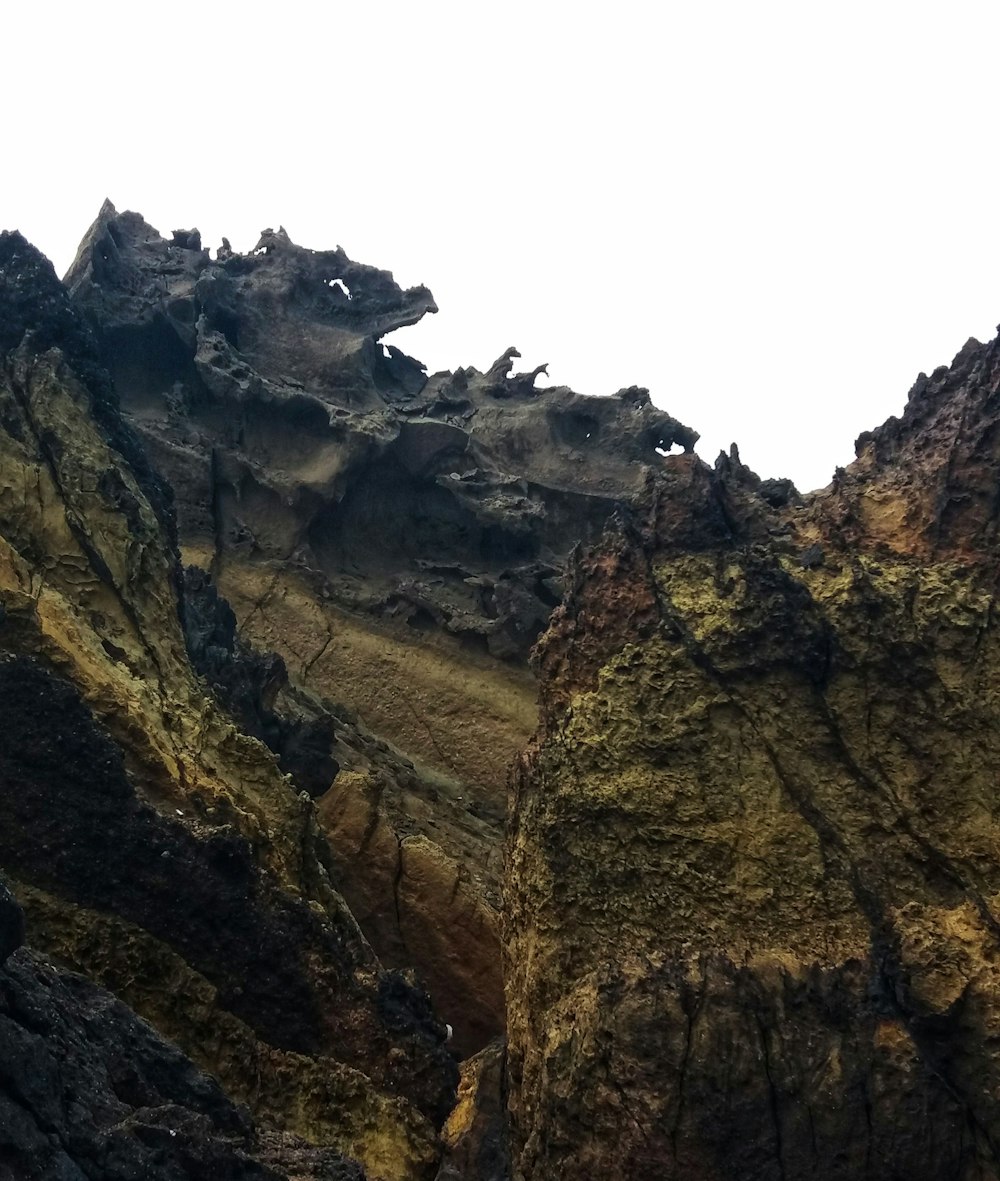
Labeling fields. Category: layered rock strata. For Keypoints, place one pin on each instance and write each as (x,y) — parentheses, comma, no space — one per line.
(397,539)
(753,886)
(154,845)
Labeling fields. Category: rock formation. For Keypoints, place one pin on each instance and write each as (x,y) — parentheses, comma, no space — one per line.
(154,846)
(89,1091)
(397,540)
(753,886)
(274,607)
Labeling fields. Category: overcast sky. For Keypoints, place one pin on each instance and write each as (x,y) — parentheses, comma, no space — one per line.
(771,214)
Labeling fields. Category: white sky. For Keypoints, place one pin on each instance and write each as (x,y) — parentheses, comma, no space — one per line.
(773,214)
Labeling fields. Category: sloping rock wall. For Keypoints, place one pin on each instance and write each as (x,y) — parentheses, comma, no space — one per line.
(398,539)
(152,843)
(753,883)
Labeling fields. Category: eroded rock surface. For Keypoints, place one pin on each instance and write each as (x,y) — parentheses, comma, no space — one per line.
(751,894)
(398,539)
(753,887)
(88,1091)
(154,845)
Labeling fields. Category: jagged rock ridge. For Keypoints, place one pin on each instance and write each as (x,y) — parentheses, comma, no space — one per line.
(753,886)
(153,845)
(397,539)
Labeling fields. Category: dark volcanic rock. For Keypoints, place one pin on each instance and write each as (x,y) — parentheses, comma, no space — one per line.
(87,1090)
(152,844)
(106,850)
(248,682)
(11,924)
(35,308)
(263,394)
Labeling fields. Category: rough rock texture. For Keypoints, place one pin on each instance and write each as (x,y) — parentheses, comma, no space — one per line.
(476,1135)
(397,539)
(750,904)
(753,888)
(153,844)
(88,1091)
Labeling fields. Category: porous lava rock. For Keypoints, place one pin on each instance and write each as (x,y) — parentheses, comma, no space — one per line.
(752,890)
(396,538)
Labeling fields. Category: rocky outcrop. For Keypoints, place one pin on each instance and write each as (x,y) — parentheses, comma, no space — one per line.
(154,845)
(475,1136)
(89,1091)
(753,888)
(397,539)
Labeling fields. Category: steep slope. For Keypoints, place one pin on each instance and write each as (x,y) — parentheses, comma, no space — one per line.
(153,845)
(87,1091)
(753,884)
(398,540)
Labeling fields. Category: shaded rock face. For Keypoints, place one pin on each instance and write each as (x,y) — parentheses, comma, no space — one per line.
(247,683)
(289,432)
(475,1136)
(87,1090)
(152,843)
(11,924)
(397,541)
(752,893)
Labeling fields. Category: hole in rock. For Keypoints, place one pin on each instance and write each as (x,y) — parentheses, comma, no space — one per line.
(340,285)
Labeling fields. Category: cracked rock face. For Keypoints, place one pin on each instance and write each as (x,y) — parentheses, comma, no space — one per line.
(396,539)
(753,883)
(152,843)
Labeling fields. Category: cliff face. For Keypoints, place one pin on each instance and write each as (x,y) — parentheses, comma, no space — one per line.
(397,539)
(753,887)
(153,845)
(267,597)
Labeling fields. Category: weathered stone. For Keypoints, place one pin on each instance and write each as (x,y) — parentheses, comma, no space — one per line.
(753,883)
(475,1136)
(132,803)
(89,1091)
(397,539)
